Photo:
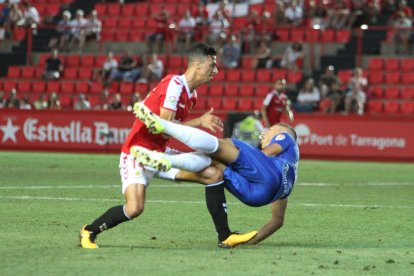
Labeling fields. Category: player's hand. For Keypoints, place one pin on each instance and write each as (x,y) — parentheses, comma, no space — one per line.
(211,122)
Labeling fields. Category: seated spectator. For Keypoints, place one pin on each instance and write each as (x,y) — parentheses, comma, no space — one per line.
(54,67)
(116,103)
(160,33)
(327,80)
(224,10)
(358,79)
(82,103)
(31,16)
(339,15)
(402,37)
(185,30)
(4,13)
(355,100)
(292,57)
(13,100)
(92,29)
(254,27)
(153,71)
(64,31)
(127,70)
(108,67)
(2,100)
(318,15)
(135,97)
(15,19)
(308,97)
(230,54)
(201,18)
(40,103)
(103,103)
(262,58)
(54,102)
(218,29)
(334,98)
(77,26)
(25,103)
(294,13)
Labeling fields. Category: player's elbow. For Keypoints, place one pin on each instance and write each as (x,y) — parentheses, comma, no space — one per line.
(277,224)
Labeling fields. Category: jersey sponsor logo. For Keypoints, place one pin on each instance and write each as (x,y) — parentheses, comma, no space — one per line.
(280,137)
(172,100)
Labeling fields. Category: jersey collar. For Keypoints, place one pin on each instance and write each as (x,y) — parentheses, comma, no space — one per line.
(186,86)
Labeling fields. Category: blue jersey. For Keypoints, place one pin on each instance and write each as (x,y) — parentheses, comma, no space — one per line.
(257,179)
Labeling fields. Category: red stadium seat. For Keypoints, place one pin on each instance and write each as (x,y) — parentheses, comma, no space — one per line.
(52,9)
(294,77)
(407,78)
(81,87)
(88,61)
(246,90)
(375,106)
(312,35)
(392,92)
(19,34)
(391,107)
(96,88)
(375,64)
(392,64)
(214,102)
(68,87)
(100,60)
(407,93)
(121,35)
(101,9)
(345,75)
(245,104)
(233,75)
(392,77)
(28,72)
(72,61)
(85,73)
(220,76)
(229,104)
(376,77)
(297,35)
(126,88)
(38,87)
(24,86)
(376,92)
(9,85)
(142,88)
(277,74)
(248,76)
(42,60)
(343,36)
(137,35)
(110,22)
(282,35)
(201,104)
(13,72)
(262,90)
(141,9)
(407,107)
(175,62)
(216,90)
(124,23)
(232,90)
(328,36)
(66,101)
(202,90)
(247,62)
(407,64)
(70,73)
(128,10)
(53,86)
(263,75)
(113,10)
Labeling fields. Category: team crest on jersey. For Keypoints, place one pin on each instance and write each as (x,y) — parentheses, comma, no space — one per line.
(172,100)
(280,137)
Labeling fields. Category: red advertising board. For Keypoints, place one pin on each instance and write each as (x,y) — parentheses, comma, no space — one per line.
(319,136)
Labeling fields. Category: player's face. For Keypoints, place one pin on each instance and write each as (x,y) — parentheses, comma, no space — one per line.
(208,68)
(268,135)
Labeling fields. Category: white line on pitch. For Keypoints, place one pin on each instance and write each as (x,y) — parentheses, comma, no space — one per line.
(202,202)
(194,185)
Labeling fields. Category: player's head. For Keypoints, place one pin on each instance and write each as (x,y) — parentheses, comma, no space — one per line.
(274,130)
(202,62)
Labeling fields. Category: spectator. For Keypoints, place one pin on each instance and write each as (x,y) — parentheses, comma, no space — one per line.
(127,70)
(262,58)
(355,100)
(31,16)
(25,103)
(358,79)
(54,102)
(218,28)
(278,14)
(402,37)
(334,99)
(185,30)
(135,97)
(77,26)
(40,103)
(116,103)
(308,97)
(153,71)
(15,18)
(339,15)
(63,29)
(327,80)
(293,57)
(2,100)
(275,104)
(13,100)
(103,103)
(82,103)
(160,33)
(93,28)
(249,129)
(54,67)
(318,15)
(108,67)
(231,53)
(224,10)
(294,13)
(4,13)
(254,29)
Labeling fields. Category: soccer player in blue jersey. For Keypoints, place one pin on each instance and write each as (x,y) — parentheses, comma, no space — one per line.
(256,177)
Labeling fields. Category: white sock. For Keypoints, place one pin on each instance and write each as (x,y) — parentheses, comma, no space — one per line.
(193,137)
(191,161)
(170,174)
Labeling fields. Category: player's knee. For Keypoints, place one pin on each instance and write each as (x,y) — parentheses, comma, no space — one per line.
(135,209)
(211,175)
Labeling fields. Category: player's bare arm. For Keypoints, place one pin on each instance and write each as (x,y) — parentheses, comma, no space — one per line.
(208,120)
(272,150)
(275,223)
(289,111)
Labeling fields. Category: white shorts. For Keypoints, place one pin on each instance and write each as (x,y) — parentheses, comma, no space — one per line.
(133,173)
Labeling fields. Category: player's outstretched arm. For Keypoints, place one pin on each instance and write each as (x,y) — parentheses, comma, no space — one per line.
(274,224)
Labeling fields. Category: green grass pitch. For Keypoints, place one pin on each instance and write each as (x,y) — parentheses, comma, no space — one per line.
(343,218)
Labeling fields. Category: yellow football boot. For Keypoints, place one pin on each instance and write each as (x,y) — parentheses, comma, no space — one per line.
(236,239)
(153,159)
(86,239)
(151,120)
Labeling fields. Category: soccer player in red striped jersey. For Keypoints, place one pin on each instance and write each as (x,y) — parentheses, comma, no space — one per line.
(171,99)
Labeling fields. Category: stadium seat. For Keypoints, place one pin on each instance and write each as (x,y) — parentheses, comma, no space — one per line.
(128,10)
(85,73)
(248,76)
(19,34)
(96,87)
(72,61)
(247,62)
(256,7)
(175,62)
(52,9)
(345,75)
(376,77)
(216,90)
(88,61)
(110,22)
(38,87)
(233,75)
(113,10)
(392,64)
(81,87)
(201,103)
(294,77)
(24,86)
(121,35)
(214,102)
(125,23)
(392,92)
(262,90)
(277,74)
(246,90)
(28,72)
(136,35)
(375,106)
(66,101)
(67,87)
(141,10)
(101,9)
(231,90)
(70,73)
(375,64)
(282,35)
(312,35)
(245,104)
(13,72)
(229,104)
(343,36)
(9,85)
(142,88)
(328,36)
(100,60)
(263,75)
(407,64)
(391,107)
(392,77)
(220,76)
(407,78)
(53,86)
(376,92)
(126,88)
(407,93)
(407,107)
(297,35)
(202,90)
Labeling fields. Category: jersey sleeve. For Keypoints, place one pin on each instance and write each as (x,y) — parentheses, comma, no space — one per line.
(267,100)
(173,90)
(282,139)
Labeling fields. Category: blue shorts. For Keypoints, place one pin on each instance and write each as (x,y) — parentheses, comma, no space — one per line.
(252,177)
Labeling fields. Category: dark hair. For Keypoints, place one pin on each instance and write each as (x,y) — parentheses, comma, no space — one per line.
(200,50)
(289,129)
